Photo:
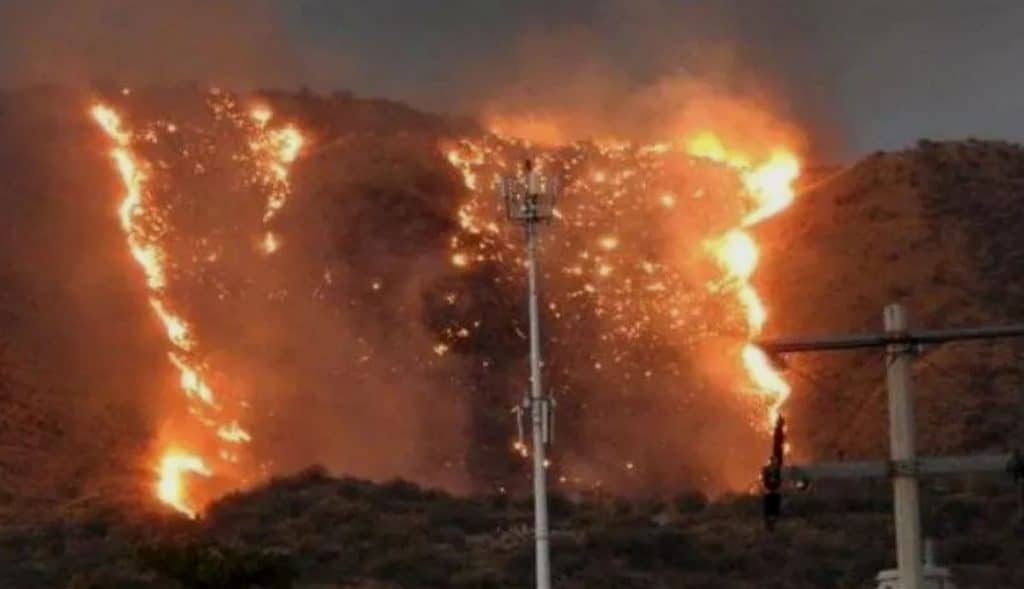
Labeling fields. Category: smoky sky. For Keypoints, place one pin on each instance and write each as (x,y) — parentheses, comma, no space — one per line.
(859,76)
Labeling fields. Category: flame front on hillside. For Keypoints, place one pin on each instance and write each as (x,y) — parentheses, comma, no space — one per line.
(647,278)
(612,187)
(185,454)
(769,186)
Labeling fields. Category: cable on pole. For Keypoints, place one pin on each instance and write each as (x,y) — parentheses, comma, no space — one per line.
(904,467)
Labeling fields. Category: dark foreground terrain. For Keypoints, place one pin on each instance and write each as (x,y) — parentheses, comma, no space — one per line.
(311,530)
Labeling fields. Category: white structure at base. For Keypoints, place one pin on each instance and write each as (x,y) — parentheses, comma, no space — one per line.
(935,577)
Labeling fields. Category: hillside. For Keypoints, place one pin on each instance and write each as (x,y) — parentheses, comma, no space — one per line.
(322,532)
(81,364)
(937,228)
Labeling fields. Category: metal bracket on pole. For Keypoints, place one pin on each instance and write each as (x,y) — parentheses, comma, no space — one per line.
(530,199)
(520,412)
(548,419)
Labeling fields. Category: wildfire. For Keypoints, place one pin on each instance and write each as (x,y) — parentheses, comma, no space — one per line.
(174,467)
(135,215)
(769,186)
(275,151)
(143,221)
(607,185)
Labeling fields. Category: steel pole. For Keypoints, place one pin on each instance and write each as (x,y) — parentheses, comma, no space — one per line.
(906,502)
(537,411)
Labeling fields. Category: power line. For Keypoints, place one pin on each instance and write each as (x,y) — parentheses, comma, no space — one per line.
(843,433)
(904,467)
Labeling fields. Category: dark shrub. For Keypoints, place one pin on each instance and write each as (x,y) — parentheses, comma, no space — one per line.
(691,502)
(210,566)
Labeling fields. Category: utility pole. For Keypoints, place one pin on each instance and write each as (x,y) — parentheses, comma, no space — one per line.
(904,467)
(902,446)
(530,199)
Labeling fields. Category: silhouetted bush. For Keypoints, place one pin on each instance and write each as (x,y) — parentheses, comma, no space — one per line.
(413,566)
(210,566)
(691,502)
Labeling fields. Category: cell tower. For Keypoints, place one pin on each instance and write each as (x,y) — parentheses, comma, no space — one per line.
(529,198)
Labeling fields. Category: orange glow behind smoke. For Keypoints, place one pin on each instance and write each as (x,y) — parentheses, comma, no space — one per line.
(275,151)
(170,487)
(769,186)
(538,129)
(180,457)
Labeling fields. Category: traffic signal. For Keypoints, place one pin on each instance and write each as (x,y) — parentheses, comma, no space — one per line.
(771,476)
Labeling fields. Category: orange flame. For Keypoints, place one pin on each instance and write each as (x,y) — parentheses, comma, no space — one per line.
(170,488)
(769,185)
(175,464)
(737,253)
(275,149)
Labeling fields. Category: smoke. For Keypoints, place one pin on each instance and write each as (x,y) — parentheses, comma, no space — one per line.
(352,355)
(620,74)
(563,83)
(231,42)
(856,76)
(566,81)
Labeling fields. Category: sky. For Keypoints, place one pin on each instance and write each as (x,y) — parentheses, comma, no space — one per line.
(860,75)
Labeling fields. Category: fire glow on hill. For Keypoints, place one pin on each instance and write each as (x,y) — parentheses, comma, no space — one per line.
(648,293)
(187,451)
(614,191)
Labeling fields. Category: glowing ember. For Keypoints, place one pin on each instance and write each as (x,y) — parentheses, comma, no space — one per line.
(460,260)
(609,243)
(275,151)
(270,243)
(233,433)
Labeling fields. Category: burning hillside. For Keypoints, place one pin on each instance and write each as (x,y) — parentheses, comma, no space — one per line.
(649,261)
(317,281)
(326,380)
(149,229)
(382,335)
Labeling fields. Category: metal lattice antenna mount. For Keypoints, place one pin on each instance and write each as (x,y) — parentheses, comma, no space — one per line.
(529,196)
(530,199)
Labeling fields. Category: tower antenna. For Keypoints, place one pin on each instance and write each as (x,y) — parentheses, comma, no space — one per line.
(529,199)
